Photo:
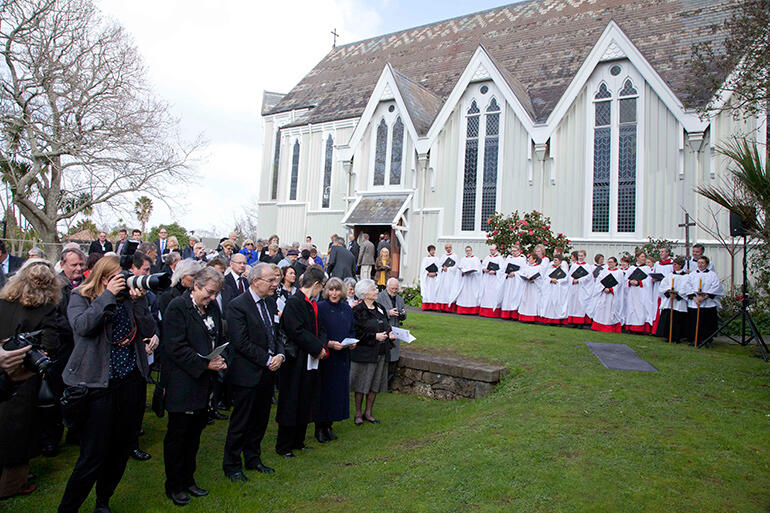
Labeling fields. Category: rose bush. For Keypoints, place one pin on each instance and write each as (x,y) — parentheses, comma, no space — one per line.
(528,230)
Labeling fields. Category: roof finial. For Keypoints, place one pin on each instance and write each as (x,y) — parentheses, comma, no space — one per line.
(334,33)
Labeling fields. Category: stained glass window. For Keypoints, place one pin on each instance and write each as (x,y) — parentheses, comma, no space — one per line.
(603,92)
(489,184)
(396,152)
(276,160)
(470,168)
(628,89)
(627,166)
(602,163)
(379,153)
(327,186)
(294,172)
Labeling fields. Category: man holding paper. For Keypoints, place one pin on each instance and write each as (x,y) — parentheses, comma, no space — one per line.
(393,303)
(257,354)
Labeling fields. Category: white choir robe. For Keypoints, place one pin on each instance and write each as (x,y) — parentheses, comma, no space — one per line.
(693,266)
(512,288)
(579,294)
(449,283)
(470,290)
(638,302)
(530,295)
(664,267)
(608,307)
(702,326)
(552,308)
(429,284)
(678,283)
(489,302)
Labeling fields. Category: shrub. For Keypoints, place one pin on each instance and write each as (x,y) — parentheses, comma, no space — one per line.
(412,296)
(652,247)
(527,230)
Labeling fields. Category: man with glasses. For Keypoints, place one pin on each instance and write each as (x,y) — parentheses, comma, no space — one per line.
(257,353)
(162,245)
(235,282)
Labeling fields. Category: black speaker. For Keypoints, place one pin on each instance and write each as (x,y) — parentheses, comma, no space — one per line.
(736,225)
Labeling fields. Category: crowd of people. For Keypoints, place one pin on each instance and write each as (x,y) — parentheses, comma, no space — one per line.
(239,329)
(672,298)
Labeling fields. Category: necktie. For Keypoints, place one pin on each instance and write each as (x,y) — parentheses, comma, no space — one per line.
(240,285)
(268,326)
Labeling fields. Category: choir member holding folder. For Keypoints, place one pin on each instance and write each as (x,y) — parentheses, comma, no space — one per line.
(531,277)
(580,289)
(553,299)
(429,280)
(673,303)
(512,286)
(638,297)
(662,269)
(608,299)
(491,283)
(450,280)
(703,291)
(470,289)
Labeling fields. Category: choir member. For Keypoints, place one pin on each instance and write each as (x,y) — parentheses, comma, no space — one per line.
(608,299)
(492,278)
(545,262)
(625,263)
(552,308)
(580,290)
(697,252)
(564,261)
(531,277)
(663,266)
(429,280)
(638,297)
(673,300)
(450,280)
(703,291)
(512,285)
(470,289)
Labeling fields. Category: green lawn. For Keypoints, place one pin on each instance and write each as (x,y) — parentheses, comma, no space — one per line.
(561,433)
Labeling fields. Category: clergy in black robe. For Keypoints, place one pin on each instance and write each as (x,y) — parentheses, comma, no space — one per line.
(298,376)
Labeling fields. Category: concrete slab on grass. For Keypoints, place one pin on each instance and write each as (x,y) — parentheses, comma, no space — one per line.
(619,357)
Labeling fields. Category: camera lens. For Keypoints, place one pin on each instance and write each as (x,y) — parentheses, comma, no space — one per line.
(35,360)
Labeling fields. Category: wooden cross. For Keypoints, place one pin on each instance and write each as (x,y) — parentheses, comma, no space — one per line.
(686,225)
(334,33)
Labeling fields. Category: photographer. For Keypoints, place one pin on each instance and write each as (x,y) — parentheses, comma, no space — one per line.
(393,303)
(27,303)
(109,360)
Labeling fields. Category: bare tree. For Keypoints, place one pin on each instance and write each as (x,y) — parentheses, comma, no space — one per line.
(79,126)
(731,244)
(246,223)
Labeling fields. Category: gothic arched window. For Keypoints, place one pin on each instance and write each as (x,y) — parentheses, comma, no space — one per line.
(396,152)
(491,143)
(381,147)
(471,164)
(276,161)
(327,183)
(294,172)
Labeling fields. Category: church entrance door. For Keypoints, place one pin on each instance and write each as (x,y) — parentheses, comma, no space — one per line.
(374,232)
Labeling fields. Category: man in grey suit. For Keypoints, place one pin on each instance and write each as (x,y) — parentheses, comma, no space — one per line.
(366,257)
(393,303)
(341,263)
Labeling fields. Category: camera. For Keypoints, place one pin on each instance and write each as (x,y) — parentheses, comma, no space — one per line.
(155,282)
(35,359)
(127,256)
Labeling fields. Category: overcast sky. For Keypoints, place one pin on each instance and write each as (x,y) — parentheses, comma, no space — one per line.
(212,60)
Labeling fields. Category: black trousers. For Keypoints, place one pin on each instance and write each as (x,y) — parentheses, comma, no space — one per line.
(180,448)
(707,325)
(680,326)
(248,422)
(106,438)
(290,438)
(139,417)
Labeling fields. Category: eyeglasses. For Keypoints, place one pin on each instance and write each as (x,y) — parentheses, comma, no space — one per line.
(211,292)
(272,280)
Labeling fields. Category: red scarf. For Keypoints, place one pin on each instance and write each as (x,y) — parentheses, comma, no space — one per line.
(315,312)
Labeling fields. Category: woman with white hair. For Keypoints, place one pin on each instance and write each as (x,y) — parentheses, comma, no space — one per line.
(351,292)
(369,360)
(181,281)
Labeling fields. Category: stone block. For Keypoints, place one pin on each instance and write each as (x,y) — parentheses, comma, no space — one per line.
(423,390)
(444,395)
(481,389)
(430,377)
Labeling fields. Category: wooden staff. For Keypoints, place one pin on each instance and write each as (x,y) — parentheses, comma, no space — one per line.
(697,316)
(671,297)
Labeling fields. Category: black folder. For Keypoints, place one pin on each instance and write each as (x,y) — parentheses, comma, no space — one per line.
(432,268)
(637,275)
(609,281)
(558,274)
(657,276)
(512,268)
(579,272)
(493,266)
(530,278)
(448,263)
(598,270)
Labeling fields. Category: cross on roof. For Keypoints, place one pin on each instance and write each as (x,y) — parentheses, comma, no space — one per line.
(334,33)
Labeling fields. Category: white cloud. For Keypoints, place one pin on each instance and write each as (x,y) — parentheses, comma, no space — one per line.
(211,61)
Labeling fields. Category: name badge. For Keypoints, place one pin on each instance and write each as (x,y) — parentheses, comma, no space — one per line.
(276,319)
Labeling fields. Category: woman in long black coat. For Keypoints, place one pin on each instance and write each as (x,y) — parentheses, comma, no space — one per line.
(336,318)
(298,376)
(27,303)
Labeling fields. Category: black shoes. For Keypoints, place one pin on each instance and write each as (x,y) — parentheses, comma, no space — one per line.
(49,450)
(140,455)
(195,491)
(287,454)
(322,436)
(372,420)
(216,415)
(102,508)
(179,498)
(237,477)
(330,434)
(259,467)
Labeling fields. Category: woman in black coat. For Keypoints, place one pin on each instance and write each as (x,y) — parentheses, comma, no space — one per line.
(336,318)
(27,303)
(192,328)
(297,382)
(369,367)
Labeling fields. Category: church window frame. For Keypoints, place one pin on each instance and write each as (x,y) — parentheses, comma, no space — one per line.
(389,148)
(480,194)
(296,152)
(327,169)
(620,218)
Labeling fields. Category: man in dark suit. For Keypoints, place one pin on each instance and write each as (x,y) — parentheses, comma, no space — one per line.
(341,263)
(256,355)
(121,242)
(353,245)
(235,283)
(9,264)
(101,245)
(161,244)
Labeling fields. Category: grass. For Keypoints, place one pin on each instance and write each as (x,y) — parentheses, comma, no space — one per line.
(560,433)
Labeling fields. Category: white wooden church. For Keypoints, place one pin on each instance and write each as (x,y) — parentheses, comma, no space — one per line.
(571,107)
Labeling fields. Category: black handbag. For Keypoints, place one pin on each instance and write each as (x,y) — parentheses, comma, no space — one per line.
(74,403)
(159,400)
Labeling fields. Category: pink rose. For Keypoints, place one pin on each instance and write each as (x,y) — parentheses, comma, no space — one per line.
(523,223)
(548,227)
(561,235)
(531,232)
(494,232)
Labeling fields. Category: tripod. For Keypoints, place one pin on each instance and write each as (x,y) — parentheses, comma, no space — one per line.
(745,316)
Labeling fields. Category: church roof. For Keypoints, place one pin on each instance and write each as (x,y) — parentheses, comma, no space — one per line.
(538,45)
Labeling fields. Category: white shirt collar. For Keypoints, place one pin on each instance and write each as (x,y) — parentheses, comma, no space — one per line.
(254,296)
